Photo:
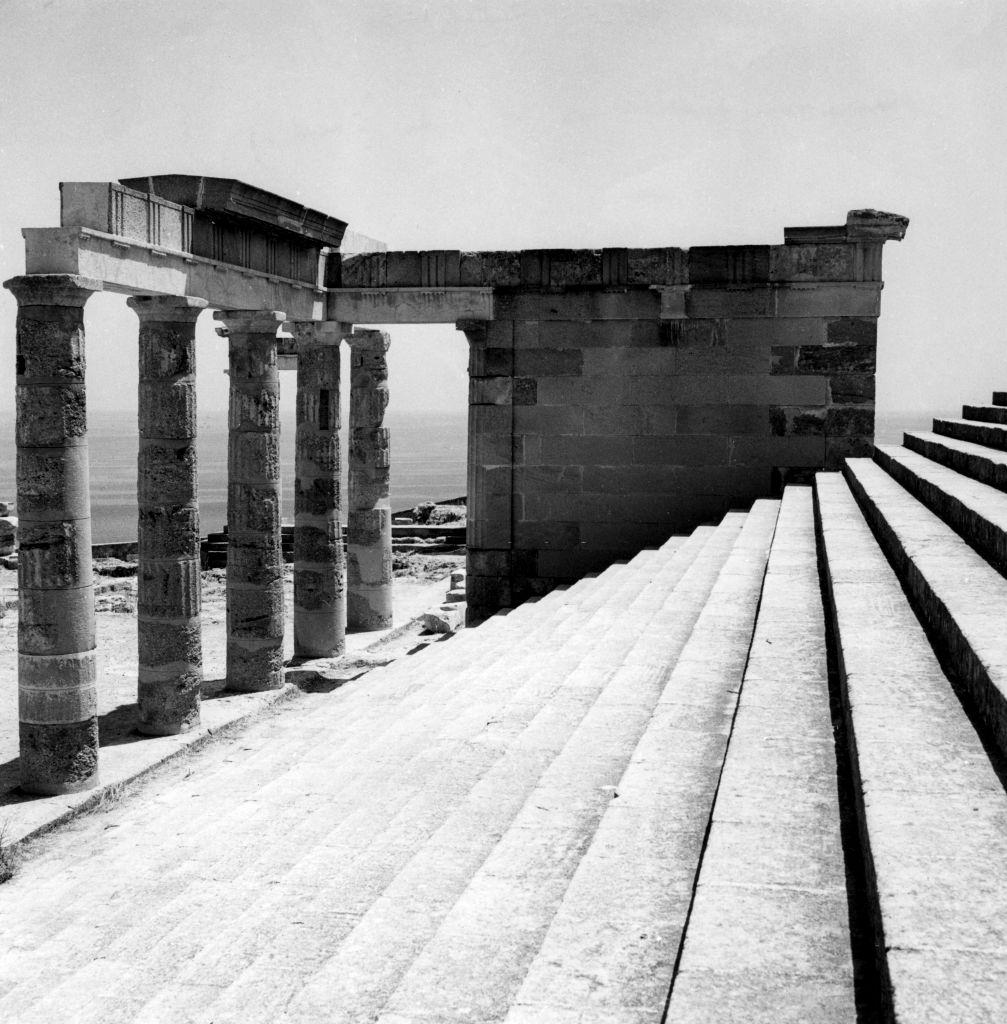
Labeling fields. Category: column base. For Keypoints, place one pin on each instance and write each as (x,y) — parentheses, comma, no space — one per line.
(169,707)
(254,669)
(59,759)
(367,611)
(319,634)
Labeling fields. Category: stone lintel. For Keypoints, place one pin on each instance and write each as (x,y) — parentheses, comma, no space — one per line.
(409,305)
(136,268)
(790,299)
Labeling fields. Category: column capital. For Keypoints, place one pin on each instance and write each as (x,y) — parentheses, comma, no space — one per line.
(318,332)
(474,330)
(52,289)
(167,308)
(378,341)
(249,321)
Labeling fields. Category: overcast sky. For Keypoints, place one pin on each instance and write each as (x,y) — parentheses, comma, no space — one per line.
(493,124)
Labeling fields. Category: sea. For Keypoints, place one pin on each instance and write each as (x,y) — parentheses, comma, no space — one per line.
(428,463)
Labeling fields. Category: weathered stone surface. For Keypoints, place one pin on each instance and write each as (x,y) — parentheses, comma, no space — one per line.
(59,741)
(8,535)
(59,758)
(319,565)
(369,520)
(168,576)
(255,564)
(930,802)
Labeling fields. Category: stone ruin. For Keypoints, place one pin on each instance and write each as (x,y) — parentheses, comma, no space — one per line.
(617,396)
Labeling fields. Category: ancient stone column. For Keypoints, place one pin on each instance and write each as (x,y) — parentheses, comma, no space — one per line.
(319,570)
(254,553)
(369,520)
(57,662)
(169,641)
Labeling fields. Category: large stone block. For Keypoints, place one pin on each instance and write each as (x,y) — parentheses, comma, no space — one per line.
(548,362)
(807,450)
(697,450)
(552,421)
(723,419)
(728,264)
(563,479)
(592,391)
(828,300)
(790,420)
(850,421)
(616,419)
(851,388)
(822,262)
(585,450)
(578,305)
(852,331)
(653,360)
(548,535)
(490,269)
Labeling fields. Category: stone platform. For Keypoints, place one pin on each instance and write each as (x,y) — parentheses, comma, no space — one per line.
(755,775)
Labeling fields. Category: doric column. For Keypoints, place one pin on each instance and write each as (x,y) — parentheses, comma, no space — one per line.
(169,641)
(319,569)
(57,662)
(254,552)
(369,521)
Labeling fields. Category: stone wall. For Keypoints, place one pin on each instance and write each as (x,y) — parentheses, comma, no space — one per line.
(621,396)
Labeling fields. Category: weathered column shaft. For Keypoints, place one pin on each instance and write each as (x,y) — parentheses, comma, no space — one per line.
(169,641)
(254,553)
(319,569)
(57,661)
(369,521)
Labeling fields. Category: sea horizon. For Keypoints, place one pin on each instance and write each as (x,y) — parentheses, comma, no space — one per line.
(428,463)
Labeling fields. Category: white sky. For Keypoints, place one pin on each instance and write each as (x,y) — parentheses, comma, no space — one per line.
(510,124)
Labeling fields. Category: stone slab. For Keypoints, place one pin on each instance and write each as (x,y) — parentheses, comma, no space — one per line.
(136,268)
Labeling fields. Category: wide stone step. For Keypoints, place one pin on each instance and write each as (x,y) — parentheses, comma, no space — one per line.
(957,594)
(609,951)
(480,948)
(932,811)
(985,413)
(338,902)
(977,512)
(987,465)
(992,435)
(769,926)
(508,661)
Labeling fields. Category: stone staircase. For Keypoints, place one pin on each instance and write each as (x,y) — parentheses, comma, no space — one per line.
(755,775)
